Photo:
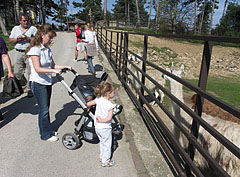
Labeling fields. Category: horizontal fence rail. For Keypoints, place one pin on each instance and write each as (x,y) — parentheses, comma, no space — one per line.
(115,46)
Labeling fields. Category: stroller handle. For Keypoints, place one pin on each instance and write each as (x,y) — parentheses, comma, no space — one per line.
(64,70)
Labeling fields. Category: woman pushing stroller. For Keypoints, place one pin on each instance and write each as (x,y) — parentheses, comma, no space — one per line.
(103,120)
(42,66)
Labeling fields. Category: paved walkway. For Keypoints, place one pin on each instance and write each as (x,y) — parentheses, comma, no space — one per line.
(23,154)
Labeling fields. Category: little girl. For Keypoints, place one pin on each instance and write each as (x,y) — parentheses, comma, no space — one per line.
(103,120)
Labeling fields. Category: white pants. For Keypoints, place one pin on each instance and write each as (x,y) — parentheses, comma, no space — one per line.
(105,137)
(80,46)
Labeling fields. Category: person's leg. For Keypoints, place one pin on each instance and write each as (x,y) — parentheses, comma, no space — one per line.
(85,55)
(28,70)
(42,95)
(19,65)
(76,53)
(90,65)
(106,138)
(100,143)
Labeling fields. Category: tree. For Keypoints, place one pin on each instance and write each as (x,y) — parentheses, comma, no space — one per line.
(150,10)
(127,10)
(202,16)
(230,23)
(157,11)
(138,15)
(224,8)
(46,8)
(195,17)
(3,27)
(17,9)
(211,20)
(105,12)
(85,6)
(60,15)
(41,12)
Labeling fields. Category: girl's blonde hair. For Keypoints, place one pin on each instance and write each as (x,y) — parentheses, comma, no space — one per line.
(37,40)
(103,88)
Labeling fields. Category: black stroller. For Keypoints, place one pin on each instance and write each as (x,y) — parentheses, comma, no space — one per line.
(82,90)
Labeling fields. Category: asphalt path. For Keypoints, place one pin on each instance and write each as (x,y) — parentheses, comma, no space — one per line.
(23,154)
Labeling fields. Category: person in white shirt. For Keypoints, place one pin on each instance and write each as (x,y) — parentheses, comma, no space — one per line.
(42,66)
(21,36)
(103,120)
(90,38)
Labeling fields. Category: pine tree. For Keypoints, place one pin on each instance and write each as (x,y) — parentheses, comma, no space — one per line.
(86,5)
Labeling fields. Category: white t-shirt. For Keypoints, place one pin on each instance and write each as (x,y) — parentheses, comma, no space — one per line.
(103,106)
(90,38)
(45,60)
(29,32)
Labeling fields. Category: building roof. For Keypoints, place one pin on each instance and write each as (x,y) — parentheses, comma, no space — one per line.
(76,20)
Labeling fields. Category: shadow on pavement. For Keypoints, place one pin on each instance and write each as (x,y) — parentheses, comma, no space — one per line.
(62,115)
(23,105)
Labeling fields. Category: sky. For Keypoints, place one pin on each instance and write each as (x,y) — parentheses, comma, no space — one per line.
(216,17)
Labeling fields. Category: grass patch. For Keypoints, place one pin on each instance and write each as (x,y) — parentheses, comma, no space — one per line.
(226,89)
(116,86)
(166,51)
(137,44)
(10,46)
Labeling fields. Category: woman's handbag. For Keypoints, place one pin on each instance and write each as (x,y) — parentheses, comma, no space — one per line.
(91,50)
(11,87)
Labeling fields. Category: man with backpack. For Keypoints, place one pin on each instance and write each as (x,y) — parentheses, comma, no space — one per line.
(80,44)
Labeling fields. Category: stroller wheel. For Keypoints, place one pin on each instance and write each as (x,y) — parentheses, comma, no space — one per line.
(70,141)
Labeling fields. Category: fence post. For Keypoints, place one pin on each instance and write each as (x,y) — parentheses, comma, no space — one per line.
(111,46)
(120,56)
(101,37)
(202,84)
(144,65)
(97,29)
(116,61)
(124,69)
(106,41)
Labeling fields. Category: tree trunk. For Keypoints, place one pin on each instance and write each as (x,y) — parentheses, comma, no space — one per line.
(43,13)
(202,17)
(17,10)
(105,12)
(224,8)
(67,16)
(157,11)
(195,17)
(3,27)
(128,11)
(40,12)
(150,11)
(175,18)
(211,21)
(24,6)
(138,15)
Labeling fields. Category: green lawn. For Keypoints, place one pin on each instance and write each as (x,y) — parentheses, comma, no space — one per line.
(227,88)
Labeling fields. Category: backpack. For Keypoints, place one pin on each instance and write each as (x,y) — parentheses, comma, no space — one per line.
(82,35)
